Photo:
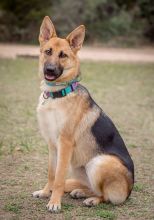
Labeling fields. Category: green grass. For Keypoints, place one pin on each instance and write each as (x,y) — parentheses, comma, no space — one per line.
(105,214)
(138,187)
(126,94)
(13,207)
(67,207)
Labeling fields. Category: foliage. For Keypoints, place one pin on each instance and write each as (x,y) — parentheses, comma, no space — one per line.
(104,19)
(147,12)
(20,20)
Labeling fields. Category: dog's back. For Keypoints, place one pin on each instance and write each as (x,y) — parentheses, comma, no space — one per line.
(99,133)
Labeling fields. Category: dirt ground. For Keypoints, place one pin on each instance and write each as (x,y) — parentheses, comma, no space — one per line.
(87,53)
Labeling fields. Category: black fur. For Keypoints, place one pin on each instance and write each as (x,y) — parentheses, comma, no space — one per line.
(110,141)
(108,137)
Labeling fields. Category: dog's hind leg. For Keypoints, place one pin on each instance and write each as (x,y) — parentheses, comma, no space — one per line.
(81,193)
(109,180)
(72,184)
(77,189)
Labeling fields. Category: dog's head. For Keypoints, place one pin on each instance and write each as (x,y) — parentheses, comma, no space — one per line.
(58,57)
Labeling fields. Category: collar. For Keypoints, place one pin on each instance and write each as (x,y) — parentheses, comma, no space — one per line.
(61,93)
(67,83)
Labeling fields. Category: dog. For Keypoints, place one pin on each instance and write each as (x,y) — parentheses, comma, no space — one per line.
(80,136)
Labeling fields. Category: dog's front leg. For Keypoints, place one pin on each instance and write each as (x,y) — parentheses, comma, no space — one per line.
(65,149)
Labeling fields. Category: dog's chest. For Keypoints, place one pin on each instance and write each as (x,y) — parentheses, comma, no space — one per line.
(51,120)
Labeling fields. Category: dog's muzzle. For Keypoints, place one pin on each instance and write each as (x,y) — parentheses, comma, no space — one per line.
(52,72)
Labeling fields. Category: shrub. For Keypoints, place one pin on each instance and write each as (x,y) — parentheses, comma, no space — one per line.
(104,19)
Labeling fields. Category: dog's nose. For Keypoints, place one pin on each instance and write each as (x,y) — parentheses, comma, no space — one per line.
(51,68)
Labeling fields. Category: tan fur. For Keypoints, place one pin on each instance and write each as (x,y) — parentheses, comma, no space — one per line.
(72,184)
(65,124)
(113,180)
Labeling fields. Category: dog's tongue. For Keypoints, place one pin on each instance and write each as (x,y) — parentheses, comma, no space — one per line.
(48,77)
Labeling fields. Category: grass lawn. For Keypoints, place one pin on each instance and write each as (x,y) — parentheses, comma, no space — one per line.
(126,94)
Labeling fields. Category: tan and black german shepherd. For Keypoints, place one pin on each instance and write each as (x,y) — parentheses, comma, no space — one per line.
(80,136)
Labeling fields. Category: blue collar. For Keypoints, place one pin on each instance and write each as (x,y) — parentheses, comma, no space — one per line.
(61,93)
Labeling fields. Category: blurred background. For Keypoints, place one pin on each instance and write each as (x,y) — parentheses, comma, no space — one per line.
(117,66)
(113,22)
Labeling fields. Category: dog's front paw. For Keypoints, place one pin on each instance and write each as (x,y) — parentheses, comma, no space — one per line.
(41,194)
(54,206)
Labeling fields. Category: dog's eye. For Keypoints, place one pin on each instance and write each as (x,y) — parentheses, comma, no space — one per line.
(48,52)
(62,55)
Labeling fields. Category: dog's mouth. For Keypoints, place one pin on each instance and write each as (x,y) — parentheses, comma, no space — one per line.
(50,77)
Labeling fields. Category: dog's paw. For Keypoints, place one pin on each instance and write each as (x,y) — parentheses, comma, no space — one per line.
(41,194)
(54,207)
(77,194)
(93,201)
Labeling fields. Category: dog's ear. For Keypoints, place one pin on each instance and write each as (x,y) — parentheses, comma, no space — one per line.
(47,30)
(76,38)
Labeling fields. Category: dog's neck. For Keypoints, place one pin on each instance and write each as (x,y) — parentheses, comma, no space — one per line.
(50,89)
(54,87)
(46,87)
